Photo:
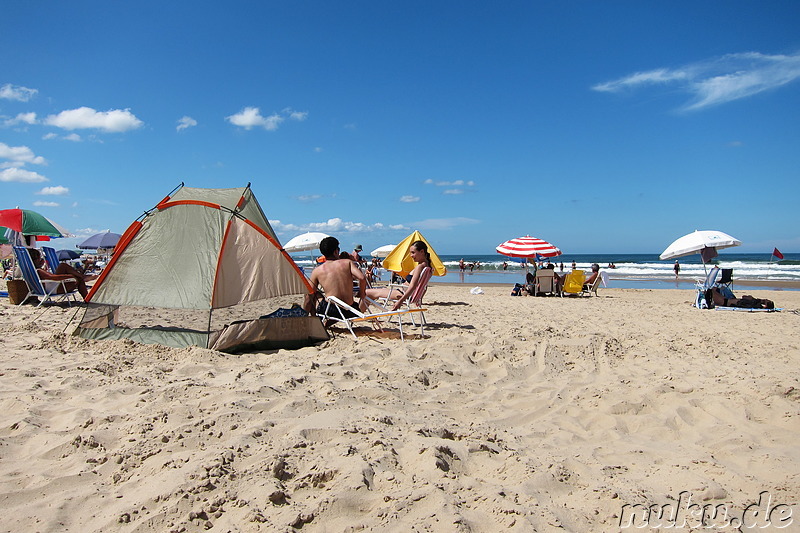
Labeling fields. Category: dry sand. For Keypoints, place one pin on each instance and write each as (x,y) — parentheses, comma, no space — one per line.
(514,413)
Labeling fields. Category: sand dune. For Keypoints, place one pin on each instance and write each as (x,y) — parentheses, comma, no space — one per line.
(515,413)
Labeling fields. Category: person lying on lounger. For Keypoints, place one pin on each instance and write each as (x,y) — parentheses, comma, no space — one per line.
(63,272)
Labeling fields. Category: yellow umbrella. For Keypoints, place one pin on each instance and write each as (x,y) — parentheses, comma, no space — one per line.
(399,260)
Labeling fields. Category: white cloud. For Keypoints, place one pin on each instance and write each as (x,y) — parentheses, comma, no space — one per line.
(456,183)
(309,197)
(50,136)
(88,232)
(39,203)
(641,78)
(58,190)
(74,137)
(185,123)
(317,149)
(717,81)
(21,175)
(114,120)
(408,199)
(250,117)
(20,154)
(16,92)
(444,223)
(21,118)
(453,191)
(332,225)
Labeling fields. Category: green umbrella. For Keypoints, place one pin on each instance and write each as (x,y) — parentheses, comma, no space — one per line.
(28,222)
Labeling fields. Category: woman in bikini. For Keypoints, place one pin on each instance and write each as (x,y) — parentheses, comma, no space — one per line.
(419,253)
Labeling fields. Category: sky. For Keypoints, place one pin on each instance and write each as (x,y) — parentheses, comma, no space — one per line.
(602,127)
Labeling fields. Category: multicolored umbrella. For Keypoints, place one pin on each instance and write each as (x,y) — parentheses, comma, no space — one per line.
(28,223)
(528,247)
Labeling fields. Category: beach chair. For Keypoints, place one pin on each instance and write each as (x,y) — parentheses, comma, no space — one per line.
(413,298)
(703,285)
(51,257)
(335,310)
(725,278)
(591,288)
(46,290)
(573,283)
(545,282)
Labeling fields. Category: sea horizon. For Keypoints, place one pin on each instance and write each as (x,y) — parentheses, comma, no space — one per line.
(644,271)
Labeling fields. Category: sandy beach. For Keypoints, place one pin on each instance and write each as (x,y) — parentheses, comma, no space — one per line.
(513,413)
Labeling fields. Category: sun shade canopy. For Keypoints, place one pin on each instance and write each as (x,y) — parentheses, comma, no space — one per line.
(399,260)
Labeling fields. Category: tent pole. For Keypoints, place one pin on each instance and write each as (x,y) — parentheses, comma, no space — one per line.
(208,337)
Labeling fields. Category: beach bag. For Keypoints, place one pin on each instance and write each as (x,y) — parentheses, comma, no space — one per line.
(704,300)
(517,290)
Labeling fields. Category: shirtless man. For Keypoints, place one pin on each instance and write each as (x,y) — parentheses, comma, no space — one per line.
(335,276)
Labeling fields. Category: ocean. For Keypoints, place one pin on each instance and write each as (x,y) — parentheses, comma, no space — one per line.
(644,271)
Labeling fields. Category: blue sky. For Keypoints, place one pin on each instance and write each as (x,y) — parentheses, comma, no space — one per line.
(599,126)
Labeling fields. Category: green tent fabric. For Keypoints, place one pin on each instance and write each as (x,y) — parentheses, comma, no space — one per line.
(197,252)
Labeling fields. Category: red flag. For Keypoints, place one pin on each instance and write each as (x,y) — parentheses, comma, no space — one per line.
(777,253)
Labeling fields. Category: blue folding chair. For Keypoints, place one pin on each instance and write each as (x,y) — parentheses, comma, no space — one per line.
(701,302)
(51,257)
(47,290)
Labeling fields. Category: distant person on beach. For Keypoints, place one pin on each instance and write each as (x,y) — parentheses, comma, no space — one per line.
(63,272)
(461,265)
(677,268)
(505,265)
(561,267)
(336,277)
(356,256)
(573,265)
(421,256)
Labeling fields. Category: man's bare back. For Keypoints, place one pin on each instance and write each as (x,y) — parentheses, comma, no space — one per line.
(336,279)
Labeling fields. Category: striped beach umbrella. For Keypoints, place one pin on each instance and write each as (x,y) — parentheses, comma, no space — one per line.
(528,247)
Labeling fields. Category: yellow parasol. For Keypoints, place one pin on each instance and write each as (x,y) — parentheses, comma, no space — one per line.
(399,260)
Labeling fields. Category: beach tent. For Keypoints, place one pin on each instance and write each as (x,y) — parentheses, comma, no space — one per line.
(399,260)
(202,268)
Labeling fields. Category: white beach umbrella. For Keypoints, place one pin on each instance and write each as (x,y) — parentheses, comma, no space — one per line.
(383,251)
(304,242)
(703,242)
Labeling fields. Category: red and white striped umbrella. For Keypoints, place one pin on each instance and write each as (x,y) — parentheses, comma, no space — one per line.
(528,247)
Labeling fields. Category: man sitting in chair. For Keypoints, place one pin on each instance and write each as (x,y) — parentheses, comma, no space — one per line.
(593,276)
(336,277)
(63,272)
